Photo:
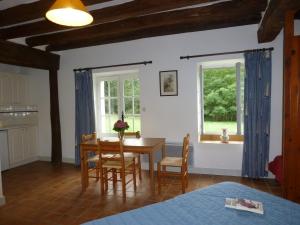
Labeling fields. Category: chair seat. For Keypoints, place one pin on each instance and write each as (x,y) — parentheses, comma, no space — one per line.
(95,158)
(130,155)
(171,161)
(116,164)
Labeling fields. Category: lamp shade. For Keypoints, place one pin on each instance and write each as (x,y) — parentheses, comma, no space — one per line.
(69,13)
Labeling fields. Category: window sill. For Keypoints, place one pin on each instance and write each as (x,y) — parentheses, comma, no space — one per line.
(215,139)
(219,142)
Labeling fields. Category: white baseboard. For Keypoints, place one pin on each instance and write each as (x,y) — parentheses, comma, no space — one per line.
(23,162)
(211,171)
(45,158)
(2,200)
(65,160)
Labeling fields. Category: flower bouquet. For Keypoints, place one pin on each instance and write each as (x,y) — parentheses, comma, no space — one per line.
(120,126)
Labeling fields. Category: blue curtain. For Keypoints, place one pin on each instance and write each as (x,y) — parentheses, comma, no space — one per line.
(84,103)
(257,103)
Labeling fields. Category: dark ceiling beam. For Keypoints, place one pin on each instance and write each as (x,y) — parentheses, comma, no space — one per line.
(20,55)
(105,15)
(189,26)
(200,15)
(273,19)
(31,11)
(153,32)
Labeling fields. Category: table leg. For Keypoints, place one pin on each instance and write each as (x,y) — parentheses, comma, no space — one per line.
(151,169)
(84,177)
(163,154)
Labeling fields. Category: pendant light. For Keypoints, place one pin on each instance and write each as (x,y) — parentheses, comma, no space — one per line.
(69,13)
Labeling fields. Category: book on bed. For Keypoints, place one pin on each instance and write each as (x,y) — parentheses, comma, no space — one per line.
(244,204)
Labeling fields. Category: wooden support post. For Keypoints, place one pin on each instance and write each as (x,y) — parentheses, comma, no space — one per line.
(56,153)
(291,117)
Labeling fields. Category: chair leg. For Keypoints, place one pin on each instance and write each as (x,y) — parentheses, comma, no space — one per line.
(140,167)
(114,175)
(134,175)
(158,177)
(186,179)
(183,183)
(97,171)
(123,176)
(106,179)
(102,180)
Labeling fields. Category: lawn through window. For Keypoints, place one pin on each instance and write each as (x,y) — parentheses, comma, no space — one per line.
(222,88)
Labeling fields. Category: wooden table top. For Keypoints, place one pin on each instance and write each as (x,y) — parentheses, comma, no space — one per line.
(131,142)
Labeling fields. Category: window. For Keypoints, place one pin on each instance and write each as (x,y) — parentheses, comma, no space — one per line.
(221,97)
(114,93)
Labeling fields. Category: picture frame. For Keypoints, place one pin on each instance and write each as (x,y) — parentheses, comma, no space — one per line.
(168,83)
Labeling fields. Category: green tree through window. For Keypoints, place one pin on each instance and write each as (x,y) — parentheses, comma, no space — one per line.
(222,100)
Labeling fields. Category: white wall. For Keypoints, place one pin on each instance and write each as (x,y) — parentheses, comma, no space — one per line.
(2,198)
(173,117)
(40,96)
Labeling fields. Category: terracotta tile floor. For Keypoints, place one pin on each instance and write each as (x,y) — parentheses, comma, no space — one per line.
(41,194)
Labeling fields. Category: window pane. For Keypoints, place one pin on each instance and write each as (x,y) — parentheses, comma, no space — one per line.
(220,100)
(113,119)
(137,123)
(105,88)
(128,105)
(136,87)
(242,96)
(129,120)
(106,106)
(114,106)
(105,121)
(128,88)
(136,106)
(114,88)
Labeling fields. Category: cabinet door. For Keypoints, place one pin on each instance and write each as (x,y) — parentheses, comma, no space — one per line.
(13,89)
(30,141)
(16,145)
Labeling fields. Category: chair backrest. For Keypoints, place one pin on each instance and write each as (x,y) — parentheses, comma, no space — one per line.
(185,149)
(111,147)
(136,134)
(87,137)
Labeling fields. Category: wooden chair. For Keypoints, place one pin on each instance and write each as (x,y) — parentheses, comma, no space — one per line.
(137,155)
(181,162)
(115,165)
(93,159)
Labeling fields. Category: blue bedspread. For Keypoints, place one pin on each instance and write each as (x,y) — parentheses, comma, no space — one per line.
(206,207)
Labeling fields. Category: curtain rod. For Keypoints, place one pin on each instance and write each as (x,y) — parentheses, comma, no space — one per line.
(118,65)
(226,53)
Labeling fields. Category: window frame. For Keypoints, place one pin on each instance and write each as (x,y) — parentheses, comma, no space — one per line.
(238,137)
(120,76)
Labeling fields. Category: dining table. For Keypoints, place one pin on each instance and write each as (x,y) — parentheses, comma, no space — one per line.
(130,144)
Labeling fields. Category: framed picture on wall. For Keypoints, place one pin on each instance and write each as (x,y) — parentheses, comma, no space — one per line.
(168,82)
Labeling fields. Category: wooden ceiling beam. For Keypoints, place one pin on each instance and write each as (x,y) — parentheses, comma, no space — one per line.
(200,15)
(104,15)
(234,20)
(20,55)
(31,11)
(273,19)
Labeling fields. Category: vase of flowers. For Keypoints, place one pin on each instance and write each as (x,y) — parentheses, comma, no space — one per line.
(120,126)
(224,137)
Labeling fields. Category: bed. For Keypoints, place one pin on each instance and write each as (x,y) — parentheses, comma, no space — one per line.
(206,207)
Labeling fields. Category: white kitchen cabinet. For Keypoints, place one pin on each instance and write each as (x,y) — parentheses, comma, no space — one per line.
(13,89)
(16,146)
(4,150)
(22,146)
(30,143)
